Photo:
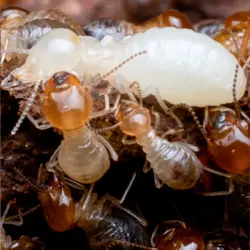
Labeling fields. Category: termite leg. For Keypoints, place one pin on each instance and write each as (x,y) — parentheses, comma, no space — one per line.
(86,198)
(53,165)
(118,203)
(154,234)
(146,167)
(157,119)
(127,142)
(206,117)
(156,93)
(15,223)
(40,124)
(75,184)
(107,108)
(111,150)
(245,116)
(172,132)
(220,193)
(4,219)
(157,181)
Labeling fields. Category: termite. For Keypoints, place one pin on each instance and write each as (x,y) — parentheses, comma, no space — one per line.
(67,105)
(12,12)
(105,221)
(179,62)
(227,133)
(236,37)
(176,235)
(21,31)
(120,29)
(24,242)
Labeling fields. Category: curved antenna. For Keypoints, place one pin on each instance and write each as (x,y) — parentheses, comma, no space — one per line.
(240,50)
(236,103)
(27,108)
(193,114)
(124,244)
(122,63)
(245,39)
(27,212)
(18,172)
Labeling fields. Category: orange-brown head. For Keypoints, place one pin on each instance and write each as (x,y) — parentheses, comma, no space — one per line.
(134,119)
(57,205)
(229,141)
(237,18)
(67,105)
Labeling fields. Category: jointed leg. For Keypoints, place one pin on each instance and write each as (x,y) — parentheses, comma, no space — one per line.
(75,184)
(52,165)
(146,167)
(40,124)
(127,142)
(111,150)
(220,193)
(158,182)
(107,109)
(154,91)
(154,234)
(118,203)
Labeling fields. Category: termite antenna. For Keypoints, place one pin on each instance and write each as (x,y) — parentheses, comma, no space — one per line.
(139,92)
(18,172)
(245,39)
(124,62)
(236,103)
(193,114)
(3,218)
(27,108)
(14,217)
(240,50)
(236,45)
(104,130)
(124,243)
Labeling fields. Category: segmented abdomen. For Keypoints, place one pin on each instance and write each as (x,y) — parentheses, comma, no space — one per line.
(83,158)
(173,163)
(109,226)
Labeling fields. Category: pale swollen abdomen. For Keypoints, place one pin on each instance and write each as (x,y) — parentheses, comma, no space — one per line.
(82,157)
(58,50)
(186,67)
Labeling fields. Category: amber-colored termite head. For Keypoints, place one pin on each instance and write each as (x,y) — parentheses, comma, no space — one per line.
(221,122)
(57,205)
(134,118)
(237,18)
(67,105)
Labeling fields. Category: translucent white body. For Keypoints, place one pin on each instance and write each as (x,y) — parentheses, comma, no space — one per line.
(174,163)
(185,66)
(82,157)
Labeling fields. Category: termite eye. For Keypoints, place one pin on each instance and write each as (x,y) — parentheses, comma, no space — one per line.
(61,80)
(66,104)
(134,119)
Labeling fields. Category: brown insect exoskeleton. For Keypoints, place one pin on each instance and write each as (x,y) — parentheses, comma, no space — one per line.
(24,242)
(174,163)
(236,36)
(227,133)
(120,29)
(105,221)
(174,234)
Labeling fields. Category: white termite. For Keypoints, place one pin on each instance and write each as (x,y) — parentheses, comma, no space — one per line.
(180,66)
